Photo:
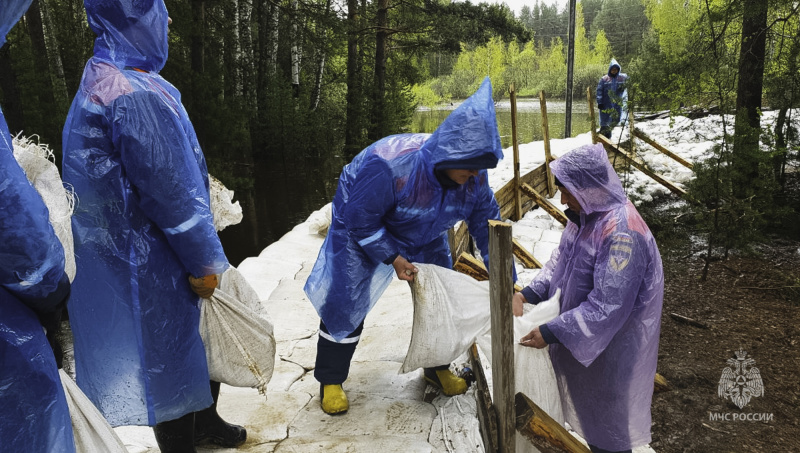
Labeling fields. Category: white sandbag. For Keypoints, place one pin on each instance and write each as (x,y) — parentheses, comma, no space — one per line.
(450,310)
(37,161)
(533,370)
(238,336)
(91,430)
(225,211)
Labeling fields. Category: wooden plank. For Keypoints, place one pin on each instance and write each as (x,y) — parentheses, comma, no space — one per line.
(590,99)
(644,137)
(487,417)
(515,145)
(500,294)
(525,257)
(551,186)
(545,204)
(641,166)
(544,433)
(459,239)
(469,265)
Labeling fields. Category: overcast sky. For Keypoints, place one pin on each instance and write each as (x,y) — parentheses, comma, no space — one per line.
(516,5)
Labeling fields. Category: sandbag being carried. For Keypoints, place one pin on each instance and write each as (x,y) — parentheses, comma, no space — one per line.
(450,310)
(92,431)
(533,370)
(37,162)
(237,334)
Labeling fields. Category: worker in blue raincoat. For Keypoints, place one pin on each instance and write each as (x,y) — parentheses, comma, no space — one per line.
(393,206)
(604,344)
(33,293)
(145,244)
(612,98)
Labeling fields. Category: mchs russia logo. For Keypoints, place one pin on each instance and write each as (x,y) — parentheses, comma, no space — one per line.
(741,380)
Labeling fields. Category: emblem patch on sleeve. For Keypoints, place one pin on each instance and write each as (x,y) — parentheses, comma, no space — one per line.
(620,254)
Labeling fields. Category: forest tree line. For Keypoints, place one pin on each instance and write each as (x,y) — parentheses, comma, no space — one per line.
(277,79)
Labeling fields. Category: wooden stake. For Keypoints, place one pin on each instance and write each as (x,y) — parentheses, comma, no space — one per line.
(487,417)
(515,145)
(545,204)
(503,385)
(551,185)
(590,99)
(544,433)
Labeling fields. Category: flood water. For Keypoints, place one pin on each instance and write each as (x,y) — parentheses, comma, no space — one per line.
(285,193)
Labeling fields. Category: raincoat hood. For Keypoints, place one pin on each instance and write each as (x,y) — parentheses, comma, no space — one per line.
(613,64)
(130,33)
(10,13)
(589,176)
(469,133)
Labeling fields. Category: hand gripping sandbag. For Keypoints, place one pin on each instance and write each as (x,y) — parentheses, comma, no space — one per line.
(91,430)
(533,369)
(238,336)
(450,310)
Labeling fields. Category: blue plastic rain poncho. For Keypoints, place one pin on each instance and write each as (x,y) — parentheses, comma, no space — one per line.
(612,97)
(389,202)
(141,226)
(32,280)
(609,271)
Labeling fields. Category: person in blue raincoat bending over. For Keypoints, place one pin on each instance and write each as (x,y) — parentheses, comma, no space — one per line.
(145,244)
(604,343)
(33,292)
(612,98)
(393,206)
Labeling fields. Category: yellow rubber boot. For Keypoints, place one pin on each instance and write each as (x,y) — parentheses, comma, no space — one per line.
(450,384)
(334,400)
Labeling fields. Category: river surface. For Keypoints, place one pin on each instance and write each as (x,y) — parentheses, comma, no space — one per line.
(285,193)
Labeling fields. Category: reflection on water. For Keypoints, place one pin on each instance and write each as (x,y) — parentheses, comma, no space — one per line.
(286,192)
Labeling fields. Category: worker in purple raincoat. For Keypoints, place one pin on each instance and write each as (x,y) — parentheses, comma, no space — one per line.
(33,292)
(145,244)
(604,344)
(394,205)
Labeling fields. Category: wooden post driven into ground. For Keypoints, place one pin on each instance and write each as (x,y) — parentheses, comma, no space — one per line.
(590,99)
(500,294)
(515,145)
(551,186)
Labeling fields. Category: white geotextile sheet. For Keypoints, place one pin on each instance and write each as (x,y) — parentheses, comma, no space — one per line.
(91,430)
(238,335)
(450,310)
(37,162)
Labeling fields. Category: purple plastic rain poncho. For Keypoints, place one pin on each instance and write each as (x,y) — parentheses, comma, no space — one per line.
(390,202)
(142,224)
(32,280)
(612,94)
(609,271)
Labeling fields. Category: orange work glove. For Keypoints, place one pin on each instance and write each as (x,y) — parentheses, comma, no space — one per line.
(204,286)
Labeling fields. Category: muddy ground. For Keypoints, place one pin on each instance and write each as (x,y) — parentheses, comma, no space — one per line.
(749,301)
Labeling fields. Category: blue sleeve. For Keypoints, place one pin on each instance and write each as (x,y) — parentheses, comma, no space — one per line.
(371,197)
(31,256)
(169,179)
(486,208)
(547,335)
(530,296)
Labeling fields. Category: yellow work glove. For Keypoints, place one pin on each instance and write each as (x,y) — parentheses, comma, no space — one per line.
(204,286)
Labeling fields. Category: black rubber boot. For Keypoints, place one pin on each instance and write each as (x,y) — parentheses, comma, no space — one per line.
(210,427)
(176,436)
